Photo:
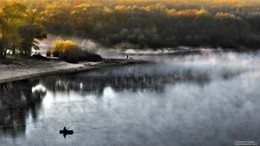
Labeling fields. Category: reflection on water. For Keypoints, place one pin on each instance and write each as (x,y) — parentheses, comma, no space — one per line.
(17,102)
(188,100)
(96,81)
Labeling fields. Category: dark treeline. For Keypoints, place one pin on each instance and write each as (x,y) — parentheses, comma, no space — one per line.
(155,24)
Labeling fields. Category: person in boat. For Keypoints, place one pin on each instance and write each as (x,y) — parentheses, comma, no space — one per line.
(66,132)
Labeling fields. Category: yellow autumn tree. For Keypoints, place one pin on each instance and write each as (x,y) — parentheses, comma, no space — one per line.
(62,47)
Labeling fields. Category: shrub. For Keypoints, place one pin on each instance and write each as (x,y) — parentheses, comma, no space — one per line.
(62,47)
(73,56)
(55,53)
(87,56)
(48,53)
(71,52)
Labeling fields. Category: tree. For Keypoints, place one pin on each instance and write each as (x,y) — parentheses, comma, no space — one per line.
(2,50)
(19,28)
(56,15)
(11,17)
(30,32)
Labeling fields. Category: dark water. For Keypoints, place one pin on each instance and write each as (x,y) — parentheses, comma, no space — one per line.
(210,99)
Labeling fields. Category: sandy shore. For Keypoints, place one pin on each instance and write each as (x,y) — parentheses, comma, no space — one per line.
(24,69)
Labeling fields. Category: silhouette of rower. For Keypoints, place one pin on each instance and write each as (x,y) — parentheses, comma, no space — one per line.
(66,132)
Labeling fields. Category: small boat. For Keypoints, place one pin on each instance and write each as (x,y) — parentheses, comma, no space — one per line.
(66,132)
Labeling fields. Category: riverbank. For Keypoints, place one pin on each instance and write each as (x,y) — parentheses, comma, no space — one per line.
(29,68)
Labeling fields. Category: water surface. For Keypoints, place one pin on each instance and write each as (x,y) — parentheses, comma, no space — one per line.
(203,99)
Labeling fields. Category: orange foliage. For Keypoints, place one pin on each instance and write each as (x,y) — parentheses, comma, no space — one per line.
(64,46)
(154,7)
(222,15)
(188,12)
(121,8)
(172,1)
(76,2)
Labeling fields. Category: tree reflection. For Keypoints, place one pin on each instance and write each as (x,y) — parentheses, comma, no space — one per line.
(95,84)
(17,102)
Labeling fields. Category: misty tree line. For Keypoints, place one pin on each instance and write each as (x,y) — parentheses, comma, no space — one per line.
(156,25)
(144,23)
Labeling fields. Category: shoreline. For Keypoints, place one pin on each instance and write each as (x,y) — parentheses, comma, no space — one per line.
(33,68)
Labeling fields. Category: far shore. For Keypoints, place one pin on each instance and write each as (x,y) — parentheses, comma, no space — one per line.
(31,68)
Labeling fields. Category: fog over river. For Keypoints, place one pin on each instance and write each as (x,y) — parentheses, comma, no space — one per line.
(196,99)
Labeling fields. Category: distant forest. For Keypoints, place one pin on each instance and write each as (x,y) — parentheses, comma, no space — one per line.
(146,23)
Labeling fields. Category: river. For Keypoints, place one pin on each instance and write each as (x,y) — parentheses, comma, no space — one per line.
(200,99)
